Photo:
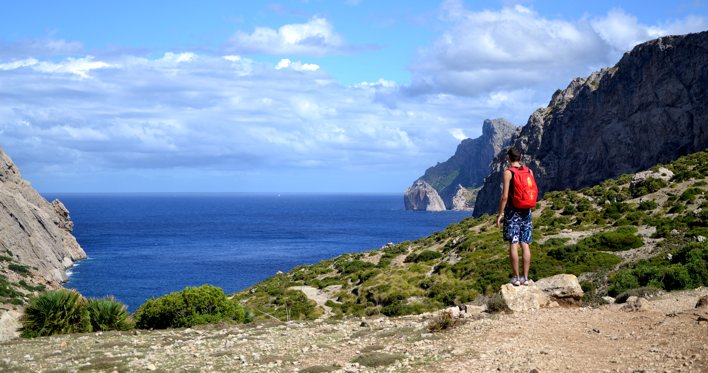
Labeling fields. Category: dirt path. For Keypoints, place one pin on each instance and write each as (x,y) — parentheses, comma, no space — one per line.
(316,295)
(668,335)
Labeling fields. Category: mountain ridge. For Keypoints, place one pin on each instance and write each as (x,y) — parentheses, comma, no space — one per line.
(651,107)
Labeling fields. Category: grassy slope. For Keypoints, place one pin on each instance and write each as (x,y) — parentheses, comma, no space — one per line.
(614,236)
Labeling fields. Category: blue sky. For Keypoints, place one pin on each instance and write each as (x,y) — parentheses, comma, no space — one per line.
(297,96)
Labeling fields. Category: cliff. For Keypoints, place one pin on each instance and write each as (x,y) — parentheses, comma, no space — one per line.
(454,179)
(651,107)
(36,244)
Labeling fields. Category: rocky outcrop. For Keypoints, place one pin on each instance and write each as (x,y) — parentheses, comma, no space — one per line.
(524,298)
(35,233)
(422,197)
(563,288)
(457,179)
(650,108)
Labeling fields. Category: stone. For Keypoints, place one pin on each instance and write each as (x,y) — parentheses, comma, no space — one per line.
(524,298)
(700,239)
(636,304)
(646,110)
(563,288)
(608,299)
(702,302)
(457,179)
(151,367)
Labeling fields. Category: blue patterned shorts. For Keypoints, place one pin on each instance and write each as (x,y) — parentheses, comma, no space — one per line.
(517,225)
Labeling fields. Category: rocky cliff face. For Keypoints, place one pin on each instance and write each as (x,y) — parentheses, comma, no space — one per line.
(34,233)
(422,197)
(454,179)
(651,107)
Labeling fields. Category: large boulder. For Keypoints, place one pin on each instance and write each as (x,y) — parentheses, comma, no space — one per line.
(524,298)
(563,288)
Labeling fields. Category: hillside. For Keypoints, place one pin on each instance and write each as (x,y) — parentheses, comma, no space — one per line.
(647,229)
(650,108)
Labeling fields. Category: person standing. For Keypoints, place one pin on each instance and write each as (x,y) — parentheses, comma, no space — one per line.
(518,196)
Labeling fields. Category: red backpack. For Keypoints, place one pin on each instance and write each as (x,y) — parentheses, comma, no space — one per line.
(525,189)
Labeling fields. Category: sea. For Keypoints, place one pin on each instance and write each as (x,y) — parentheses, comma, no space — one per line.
(146,245)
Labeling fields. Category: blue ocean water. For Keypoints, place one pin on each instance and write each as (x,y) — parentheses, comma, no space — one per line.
(140,246)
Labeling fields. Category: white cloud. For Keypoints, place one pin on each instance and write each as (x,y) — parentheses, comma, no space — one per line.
(285,63)
(315,37)
(197,111)
(75,66)
(623,31)
(515,48)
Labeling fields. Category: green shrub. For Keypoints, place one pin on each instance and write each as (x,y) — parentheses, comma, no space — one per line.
(19,268)
(686,269)
(622,238)
(107,314)
(424,256)
(649,185)
(647,205)
(192,306)
(55,312)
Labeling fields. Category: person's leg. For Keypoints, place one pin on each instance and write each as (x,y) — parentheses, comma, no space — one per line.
(526,254)
(514,258)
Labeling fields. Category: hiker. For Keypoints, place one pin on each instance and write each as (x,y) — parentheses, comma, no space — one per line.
(518,196)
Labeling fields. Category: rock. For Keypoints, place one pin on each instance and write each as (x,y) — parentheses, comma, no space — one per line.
(662,174)
(700,239)
(455,180)
(702,302)
(636,304)
(563,288)
(608,299)
(524,298)
(647,109)
(423,197)
(37,232)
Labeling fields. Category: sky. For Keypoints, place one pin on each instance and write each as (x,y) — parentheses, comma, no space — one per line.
(317,96)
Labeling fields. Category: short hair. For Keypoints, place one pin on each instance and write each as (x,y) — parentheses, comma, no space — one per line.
(514,154)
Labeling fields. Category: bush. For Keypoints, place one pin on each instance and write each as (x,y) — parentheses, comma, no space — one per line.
(443,321)
(55,312)
(107,314)
(622,238)
(644,187)
(19,268)
(424,256)
(686,269)
(192,306)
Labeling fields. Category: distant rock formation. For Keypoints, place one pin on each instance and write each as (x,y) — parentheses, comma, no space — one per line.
(456,179)
(35,233)
(423,197)
(650,108)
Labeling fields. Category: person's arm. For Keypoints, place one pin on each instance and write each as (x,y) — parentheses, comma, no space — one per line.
(504,196)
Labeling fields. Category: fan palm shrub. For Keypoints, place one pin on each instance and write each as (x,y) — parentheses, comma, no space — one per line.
(107,314)
(55,312)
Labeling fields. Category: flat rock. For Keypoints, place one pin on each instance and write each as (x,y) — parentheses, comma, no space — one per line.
(563,287)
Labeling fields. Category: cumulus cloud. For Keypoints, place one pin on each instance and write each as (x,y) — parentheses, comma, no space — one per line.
(315,37)
(204,112)
(285,63)
(515,48)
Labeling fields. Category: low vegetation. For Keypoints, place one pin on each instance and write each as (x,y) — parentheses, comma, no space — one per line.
(616,236)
